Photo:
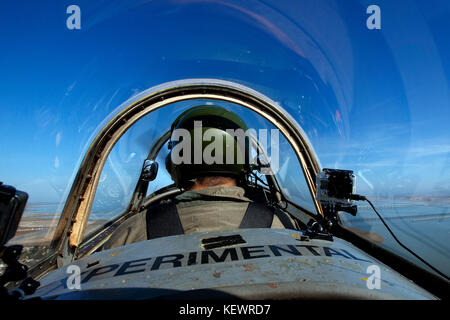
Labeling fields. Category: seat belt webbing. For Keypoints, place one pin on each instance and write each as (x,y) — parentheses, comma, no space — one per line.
(163,221)
(257,215)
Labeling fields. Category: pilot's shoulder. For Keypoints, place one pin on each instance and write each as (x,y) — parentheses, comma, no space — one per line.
(276,223)
(131,230)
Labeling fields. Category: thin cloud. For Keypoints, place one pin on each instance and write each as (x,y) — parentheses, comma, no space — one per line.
(58,138)
(70,88)
(429,150)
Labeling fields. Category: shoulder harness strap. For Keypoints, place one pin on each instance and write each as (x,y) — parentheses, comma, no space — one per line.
(163,221)
(257,215)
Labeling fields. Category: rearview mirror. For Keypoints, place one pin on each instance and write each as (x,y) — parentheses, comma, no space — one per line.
(12,204)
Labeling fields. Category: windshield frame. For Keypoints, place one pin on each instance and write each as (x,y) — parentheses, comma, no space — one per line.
(69,232)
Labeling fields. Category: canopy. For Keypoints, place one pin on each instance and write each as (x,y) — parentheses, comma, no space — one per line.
(368,85)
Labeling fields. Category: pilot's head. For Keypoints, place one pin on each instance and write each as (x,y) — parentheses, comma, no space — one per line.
(208,146)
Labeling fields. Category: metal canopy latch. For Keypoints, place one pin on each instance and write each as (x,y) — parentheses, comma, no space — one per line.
(222,241)
(149,170)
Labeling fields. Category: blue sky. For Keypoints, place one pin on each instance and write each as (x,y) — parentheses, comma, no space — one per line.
(375,101)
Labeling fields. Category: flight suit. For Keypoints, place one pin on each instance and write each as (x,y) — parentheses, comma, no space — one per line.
(203,210)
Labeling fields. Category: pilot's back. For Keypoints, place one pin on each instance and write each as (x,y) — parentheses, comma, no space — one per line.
(204,210)
(213,209)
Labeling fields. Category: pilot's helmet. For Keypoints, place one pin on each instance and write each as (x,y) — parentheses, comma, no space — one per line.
(208,140)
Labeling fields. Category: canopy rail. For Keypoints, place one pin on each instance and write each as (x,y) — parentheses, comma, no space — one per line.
(69,232)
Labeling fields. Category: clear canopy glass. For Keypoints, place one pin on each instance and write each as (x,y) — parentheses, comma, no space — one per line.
(375,101)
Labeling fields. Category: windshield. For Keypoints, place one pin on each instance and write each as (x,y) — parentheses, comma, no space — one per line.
(123,166)
(370,88)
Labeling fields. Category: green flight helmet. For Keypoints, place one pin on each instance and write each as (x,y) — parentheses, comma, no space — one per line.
(208,140)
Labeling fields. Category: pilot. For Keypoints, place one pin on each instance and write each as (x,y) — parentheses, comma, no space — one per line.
(215,196)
